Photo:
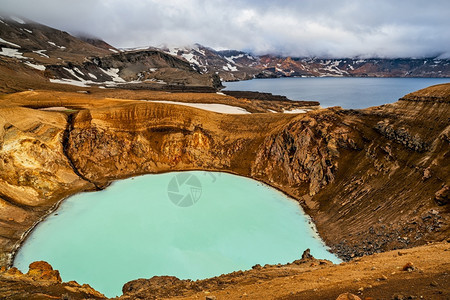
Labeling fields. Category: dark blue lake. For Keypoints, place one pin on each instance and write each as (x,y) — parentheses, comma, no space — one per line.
(338,91)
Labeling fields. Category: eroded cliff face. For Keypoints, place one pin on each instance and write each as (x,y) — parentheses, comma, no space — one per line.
(35,173)
(303,156)
(110,143)
(392,193)
(372,180)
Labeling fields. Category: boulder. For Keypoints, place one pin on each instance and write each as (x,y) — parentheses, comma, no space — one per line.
(41,270)
(348,296)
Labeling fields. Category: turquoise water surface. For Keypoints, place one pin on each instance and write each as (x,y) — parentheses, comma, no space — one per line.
(186,224)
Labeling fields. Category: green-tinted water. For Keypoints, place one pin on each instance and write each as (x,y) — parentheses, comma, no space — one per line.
(186,224)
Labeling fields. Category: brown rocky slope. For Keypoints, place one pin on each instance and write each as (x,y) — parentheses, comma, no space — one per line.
(373,179)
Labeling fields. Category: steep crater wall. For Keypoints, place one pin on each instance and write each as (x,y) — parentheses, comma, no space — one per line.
(366,191)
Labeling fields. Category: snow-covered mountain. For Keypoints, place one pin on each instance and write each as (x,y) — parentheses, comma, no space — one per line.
(228,64)
(238,65)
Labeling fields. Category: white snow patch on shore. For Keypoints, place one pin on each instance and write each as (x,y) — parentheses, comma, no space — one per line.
(9,43)
(54,108)
(215,107)
(295,111)
(11,53)
(37,67)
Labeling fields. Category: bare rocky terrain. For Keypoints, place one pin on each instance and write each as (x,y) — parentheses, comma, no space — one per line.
(372,180)
(375,181)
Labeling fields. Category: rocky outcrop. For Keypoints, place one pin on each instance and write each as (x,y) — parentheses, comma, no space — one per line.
(42,282)
(401,135)
(41,270)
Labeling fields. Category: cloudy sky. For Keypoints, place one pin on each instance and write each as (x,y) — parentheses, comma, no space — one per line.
(324,28)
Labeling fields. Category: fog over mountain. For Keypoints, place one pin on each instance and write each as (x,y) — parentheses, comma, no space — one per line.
(321,28)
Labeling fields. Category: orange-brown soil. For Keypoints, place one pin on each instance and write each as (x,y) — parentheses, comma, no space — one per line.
(372,180)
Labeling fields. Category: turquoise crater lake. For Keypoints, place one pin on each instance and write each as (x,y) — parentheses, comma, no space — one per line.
(192,225)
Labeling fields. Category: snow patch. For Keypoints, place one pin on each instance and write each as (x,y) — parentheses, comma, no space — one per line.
(78,71)
(92,76)
(9,43)
(219,108)
(69,81)
(232,58)
(54,108)
(53,44)
(190,58)
(112,50)
(27,30)
(40,53)
(173,51)
(114,74)
(295,111)
(18,20)
(37,67)
(11,53)
(231,68)
(73,74)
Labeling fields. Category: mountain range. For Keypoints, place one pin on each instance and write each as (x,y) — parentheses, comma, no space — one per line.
(238,65)
(50,55)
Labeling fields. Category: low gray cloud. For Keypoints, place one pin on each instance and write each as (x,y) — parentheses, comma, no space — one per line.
(322,28)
